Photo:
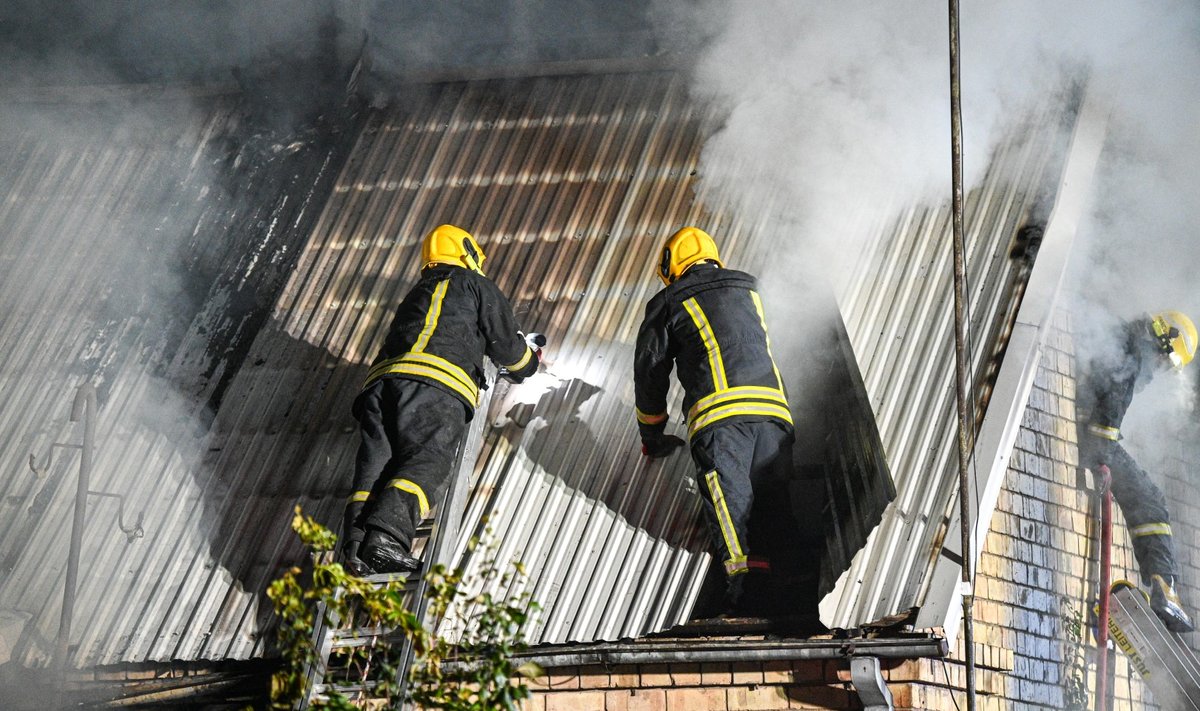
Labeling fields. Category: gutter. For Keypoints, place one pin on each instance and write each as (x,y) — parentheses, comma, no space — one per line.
(708,651)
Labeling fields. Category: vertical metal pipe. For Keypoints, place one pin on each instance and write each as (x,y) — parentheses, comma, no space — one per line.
(1105,583)
(966,422)
(84,407)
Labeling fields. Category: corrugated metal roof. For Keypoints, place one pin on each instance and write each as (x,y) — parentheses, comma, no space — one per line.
(899,311)
(570,184)
(139,237)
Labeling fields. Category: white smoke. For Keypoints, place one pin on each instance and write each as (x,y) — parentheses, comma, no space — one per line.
(837,115)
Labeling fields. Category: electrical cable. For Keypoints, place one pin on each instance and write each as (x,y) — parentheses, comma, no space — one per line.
(949,686)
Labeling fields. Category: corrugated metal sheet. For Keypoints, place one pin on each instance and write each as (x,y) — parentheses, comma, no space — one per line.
(570,184)
(899,311)
(141,241)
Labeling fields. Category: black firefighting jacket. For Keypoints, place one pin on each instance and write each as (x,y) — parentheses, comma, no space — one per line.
(450,319)
(1108,384)
(710,324)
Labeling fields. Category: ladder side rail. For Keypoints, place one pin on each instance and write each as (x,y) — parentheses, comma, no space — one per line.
(322,642)
(446,524)
(1165,668)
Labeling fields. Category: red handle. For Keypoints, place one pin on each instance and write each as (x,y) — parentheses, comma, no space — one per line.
(1105,585)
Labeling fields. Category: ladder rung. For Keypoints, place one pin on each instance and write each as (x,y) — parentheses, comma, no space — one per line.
(381,579)
(361,636)
(320,691)
(356,642)
(359,632)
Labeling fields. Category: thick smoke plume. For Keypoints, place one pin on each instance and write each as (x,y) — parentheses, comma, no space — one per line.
(838,115)
(105,262)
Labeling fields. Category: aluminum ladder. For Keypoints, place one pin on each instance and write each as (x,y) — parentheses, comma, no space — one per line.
(440,534)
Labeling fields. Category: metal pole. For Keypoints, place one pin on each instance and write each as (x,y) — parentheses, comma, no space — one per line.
(965,419)
(84,407)
(1105,583)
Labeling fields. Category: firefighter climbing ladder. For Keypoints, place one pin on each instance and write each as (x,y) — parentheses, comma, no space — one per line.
(341,635)
(440,536)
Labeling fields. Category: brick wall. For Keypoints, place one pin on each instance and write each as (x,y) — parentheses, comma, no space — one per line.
(747,686)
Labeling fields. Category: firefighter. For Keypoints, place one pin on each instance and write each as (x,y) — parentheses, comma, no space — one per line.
(420,393)
(1145,346)
(709,322)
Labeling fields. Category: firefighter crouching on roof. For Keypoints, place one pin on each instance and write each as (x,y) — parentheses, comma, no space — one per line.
(420,393)
(1145,345)
(709,322)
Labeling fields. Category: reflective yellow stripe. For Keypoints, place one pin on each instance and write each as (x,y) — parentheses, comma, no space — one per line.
(521,363)
(471,394)
(728,532)
(715,363)
(1106,432)
(431,316)
(429,359)
(441,364)
(650,419)
(1151,529)
(741,392)
(764,409)
(410,487)
(762,319)
(429,366)
(737,566)
(360,496)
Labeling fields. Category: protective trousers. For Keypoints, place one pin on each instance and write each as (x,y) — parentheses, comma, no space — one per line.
(410,434)
(734,461)
(1142,503)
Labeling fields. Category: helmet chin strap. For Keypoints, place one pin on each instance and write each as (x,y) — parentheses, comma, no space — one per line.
(1163,335)
(471,256)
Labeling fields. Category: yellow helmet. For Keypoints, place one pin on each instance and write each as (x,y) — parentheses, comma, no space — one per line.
(684,248)
(1176,336)
(448,244)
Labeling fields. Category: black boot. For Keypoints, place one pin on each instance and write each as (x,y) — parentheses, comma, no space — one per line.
(351,562)
(731,604)
(1165,603)
(387,555)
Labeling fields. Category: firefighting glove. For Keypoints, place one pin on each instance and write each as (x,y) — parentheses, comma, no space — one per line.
(535,341)
(660,446)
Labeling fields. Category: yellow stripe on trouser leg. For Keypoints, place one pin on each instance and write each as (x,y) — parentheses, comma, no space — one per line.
(737,560)
(1151,529)
(359,496)
(411,488)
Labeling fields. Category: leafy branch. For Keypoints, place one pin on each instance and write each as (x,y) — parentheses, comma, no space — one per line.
(476,673)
